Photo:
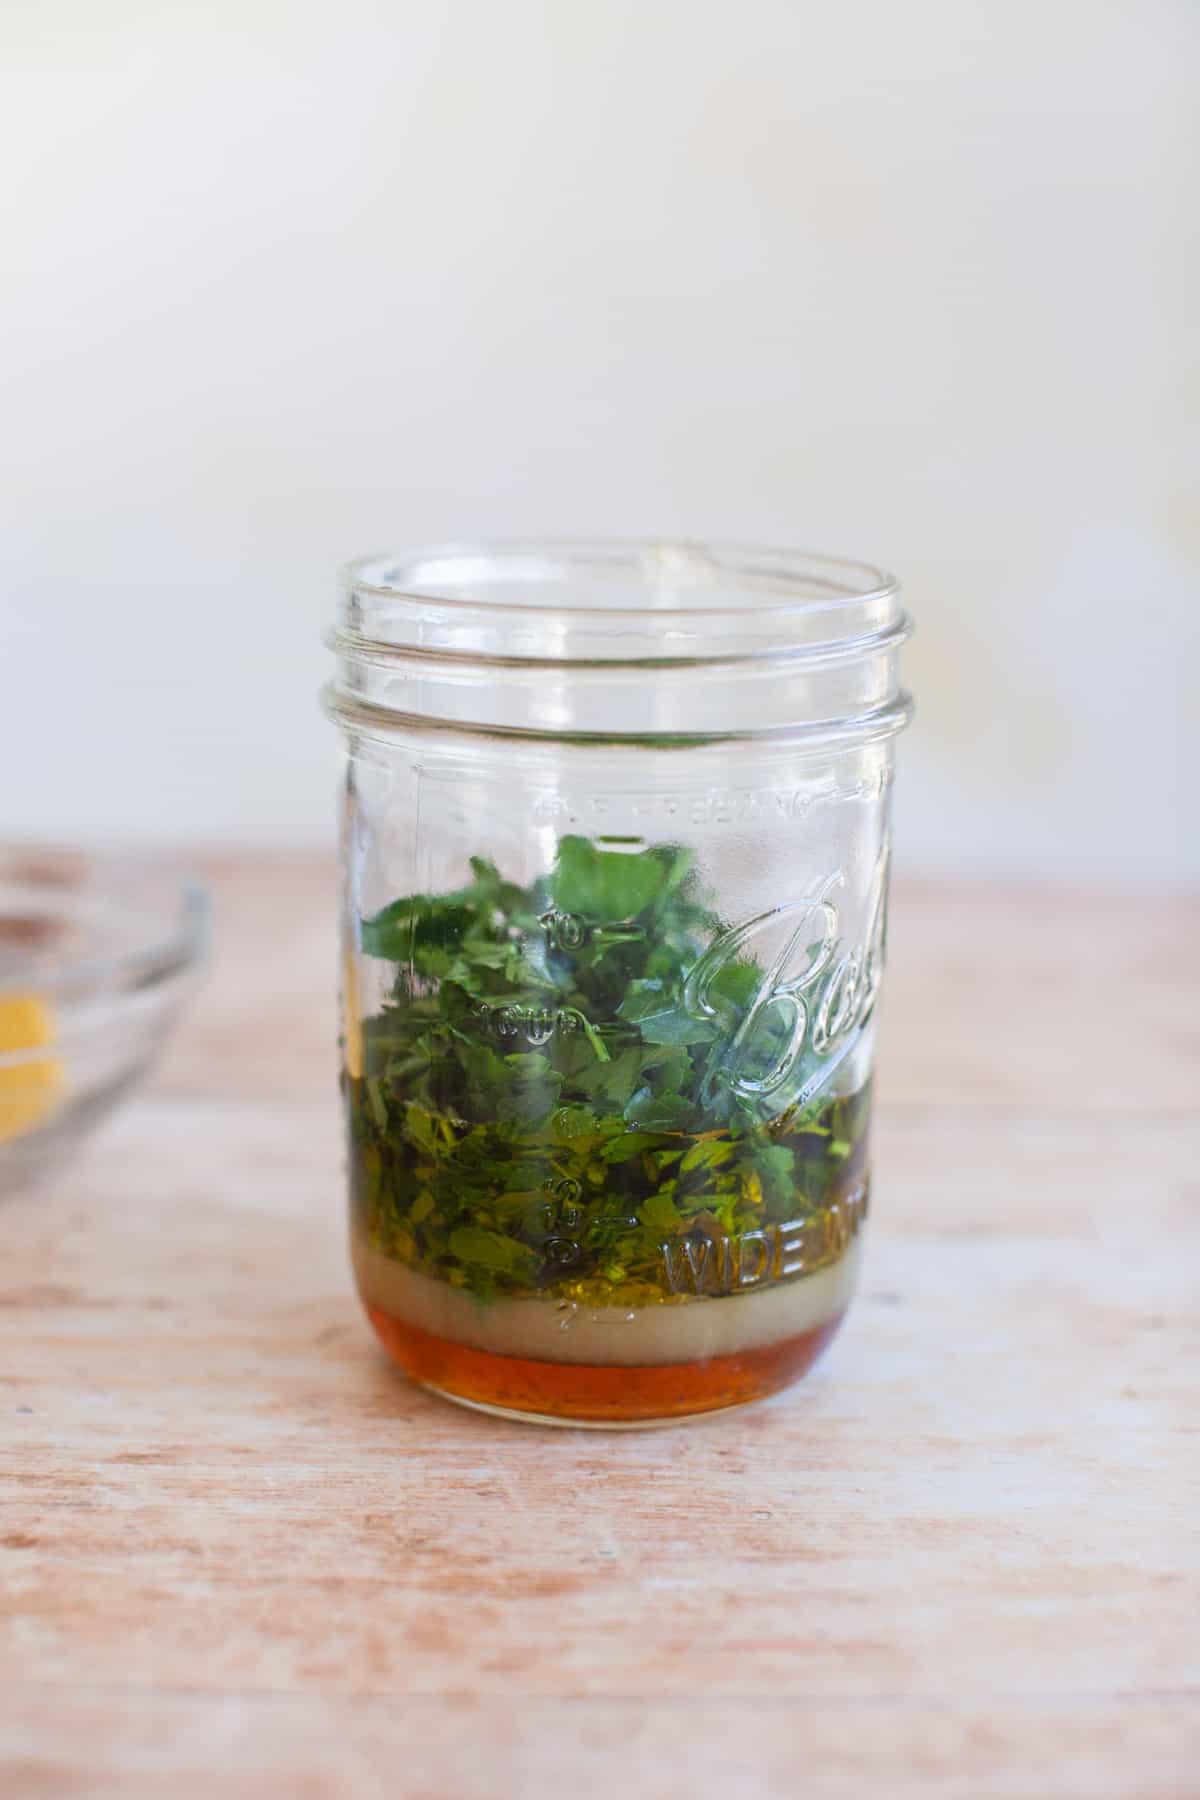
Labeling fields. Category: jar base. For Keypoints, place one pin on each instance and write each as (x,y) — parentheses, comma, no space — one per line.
(564,1422)
(588,1394)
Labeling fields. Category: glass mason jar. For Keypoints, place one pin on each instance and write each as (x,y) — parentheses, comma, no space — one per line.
(614,884)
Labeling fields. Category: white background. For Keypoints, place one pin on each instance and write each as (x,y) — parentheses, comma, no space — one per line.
(918,282)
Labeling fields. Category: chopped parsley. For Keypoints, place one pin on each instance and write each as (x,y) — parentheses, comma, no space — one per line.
(542,1107)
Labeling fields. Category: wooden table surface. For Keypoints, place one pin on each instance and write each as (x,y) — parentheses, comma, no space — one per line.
(240,1555)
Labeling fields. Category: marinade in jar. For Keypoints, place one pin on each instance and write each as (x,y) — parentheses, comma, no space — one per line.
(607,1164)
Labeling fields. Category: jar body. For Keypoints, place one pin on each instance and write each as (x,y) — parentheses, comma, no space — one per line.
(607,1036)
(614,884)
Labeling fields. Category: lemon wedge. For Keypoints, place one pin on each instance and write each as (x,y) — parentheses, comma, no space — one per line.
(28,1090)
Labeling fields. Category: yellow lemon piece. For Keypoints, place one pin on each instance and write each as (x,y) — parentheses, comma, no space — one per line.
(352,1032)
(28,1090)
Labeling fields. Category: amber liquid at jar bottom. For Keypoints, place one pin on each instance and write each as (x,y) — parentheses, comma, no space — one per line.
(598,1394)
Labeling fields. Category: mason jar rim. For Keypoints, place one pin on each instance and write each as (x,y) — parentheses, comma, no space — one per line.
(844,579)
(586,636)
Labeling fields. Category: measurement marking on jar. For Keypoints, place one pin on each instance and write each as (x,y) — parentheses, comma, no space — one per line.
(564,930)
(562,1217)
(567,931)
(537,1023)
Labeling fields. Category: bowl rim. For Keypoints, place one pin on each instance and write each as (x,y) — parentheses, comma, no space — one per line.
(168,951)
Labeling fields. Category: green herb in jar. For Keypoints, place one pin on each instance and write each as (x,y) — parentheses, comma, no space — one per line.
(541,1109)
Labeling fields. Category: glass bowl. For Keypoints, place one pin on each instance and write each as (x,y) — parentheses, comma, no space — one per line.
(95,956)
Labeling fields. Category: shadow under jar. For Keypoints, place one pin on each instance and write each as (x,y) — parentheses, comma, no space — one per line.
(614,885)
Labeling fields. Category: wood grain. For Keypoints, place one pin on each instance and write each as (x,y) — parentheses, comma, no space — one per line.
(237,1551)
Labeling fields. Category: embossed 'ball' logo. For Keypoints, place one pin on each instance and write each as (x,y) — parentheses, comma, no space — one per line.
(800,1016)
